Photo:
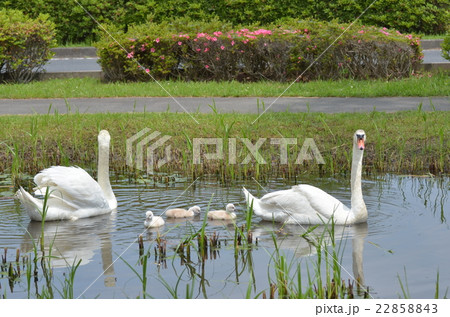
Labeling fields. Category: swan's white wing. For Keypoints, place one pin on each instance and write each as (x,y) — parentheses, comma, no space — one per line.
(279,205)
(73,185)
(300,204)
(323,203)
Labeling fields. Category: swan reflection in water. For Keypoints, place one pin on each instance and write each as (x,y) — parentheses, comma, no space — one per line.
(291,237)
(75,240)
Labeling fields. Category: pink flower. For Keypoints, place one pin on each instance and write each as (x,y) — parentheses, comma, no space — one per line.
(361,31)
(162,57)
(222,47)
(306,30)
(359,41)
(214,39)
(152,50)
(262,31)
(147,70)
(157,40)
(218,33)
(180,43)
(206,66)
(232,42)
(206,49)
(201,35)
(130,55)
(198,49)
(409,36)
(143,47)
(217,59)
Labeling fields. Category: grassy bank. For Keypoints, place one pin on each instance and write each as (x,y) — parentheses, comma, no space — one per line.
(404,142)
(436,85)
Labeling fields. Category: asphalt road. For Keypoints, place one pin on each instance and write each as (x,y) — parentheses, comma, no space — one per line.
(61,65)
(223,105)
(69,65)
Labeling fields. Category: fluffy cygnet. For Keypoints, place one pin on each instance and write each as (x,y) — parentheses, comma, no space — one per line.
(182,213)
(153,221)
(227,214)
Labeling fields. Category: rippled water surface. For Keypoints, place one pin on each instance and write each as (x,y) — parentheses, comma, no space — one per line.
(407,234)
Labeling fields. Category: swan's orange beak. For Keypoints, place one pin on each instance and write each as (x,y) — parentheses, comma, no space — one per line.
(361,143)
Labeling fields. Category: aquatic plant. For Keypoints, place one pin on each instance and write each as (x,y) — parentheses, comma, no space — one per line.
(47,143)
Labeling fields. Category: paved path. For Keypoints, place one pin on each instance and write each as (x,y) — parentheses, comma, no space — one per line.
(241,105)
(433,57)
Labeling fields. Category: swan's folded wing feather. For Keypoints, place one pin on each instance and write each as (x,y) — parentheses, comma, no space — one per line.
(73,185)
(322,202)
(284,199)
(280,205)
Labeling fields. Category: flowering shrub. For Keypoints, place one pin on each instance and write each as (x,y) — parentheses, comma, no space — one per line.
(277,53)
(446,47)
(24,45)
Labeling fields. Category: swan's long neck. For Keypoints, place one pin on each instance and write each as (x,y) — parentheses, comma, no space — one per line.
(358,206)
(103,172)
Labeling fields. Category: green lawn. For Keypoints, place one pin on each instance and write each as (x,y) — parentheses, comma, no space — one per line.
(423,86)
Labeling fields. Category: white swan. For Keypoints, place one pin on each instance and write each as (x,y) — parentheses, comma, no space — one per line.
(227,214)
(153,221)
(183,213)
(306,204)
(73,193)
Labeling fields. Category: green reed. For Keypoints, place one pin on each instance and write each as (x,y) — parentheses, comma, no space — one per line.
(37,268)
(395,142)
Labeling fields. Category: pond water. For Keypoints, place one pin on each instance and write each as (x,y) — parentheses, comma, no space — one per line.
(405,239)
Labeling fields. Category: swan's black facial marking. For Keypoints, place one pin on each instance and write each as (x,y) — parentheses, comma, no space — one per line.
(360,141)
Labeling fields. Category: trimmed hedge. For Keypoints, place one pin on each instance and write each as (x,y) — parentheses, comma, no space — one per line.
(24,45)
(74,25)
(446,47)
(280,53)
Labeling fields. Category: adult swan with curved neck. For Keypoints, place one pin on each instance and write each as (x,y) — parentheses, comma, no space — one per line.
(72,192)
(306,204)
